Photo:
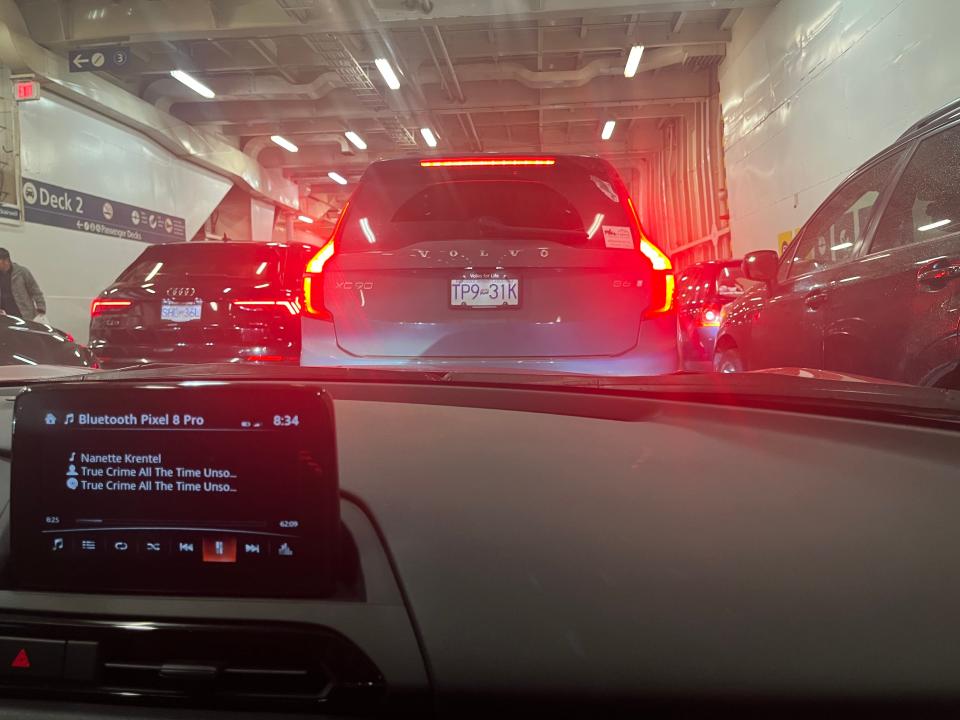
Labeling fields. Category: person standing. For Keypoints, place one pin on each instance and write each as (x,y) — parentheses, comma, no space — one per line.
(20,295)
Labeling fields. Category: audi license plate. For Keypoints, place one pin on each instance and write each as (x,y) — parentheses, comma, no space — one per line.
(485,292)
(180,312)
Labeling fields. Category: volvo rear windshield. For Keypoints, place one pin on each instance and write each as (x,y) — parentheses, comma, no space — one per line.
(574,202)
(204,259)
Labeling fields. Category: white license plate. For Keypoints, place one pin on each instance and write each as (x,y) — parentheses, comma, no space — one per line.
(180,312)
(485,292)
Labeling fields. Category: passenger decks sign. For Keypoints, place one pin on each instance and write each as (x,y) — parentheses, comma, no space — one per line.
(61,207)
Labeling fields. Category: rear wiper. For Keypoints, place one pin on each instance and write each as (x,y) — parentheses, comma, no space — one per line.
(489,223)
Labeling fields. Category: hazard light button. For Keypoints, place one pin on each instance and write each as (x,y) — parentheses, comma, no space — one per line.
(31,657)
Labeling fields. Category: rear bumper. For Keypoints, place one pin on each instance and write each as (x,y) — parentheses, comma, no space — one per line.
(114,357)
(654,354)
(697,346)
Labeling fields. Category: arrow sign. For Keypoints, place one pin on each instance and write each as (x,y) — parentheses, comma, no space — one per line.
(110,57)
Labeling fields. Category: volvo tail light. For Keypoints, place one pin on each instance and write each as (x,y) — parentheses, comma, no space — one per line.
(100,306)
(313,304)
(661,296)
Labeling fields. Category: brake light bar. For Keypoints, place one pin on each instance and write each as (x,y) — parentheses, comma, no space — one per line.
(320,259)
(312,277)
(662,299)
(486,162)
(292,306)
(100,306)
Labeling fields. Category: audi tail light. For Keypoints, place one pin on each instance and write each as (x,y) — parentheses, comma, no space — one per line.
(710,317)
(291,306)
(313,304)
(661,297)
(101,306)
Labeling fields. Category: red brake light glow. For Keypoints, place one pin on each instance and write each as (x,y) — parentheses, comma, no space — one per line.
(710,318)
(662,299)
(320,259)
(313,297)
(486,162)
(100,306)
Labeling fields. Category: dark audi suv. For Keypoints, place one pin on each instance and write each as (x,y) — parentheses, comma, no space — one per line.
(493,261)
(871,283)
(203,302)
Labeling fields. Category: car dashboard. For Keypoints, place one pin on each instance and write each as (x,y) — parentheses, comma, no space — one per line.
(545,545)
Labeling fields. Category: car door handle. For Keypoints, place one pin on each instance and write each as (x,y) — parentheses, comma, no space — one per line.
(934,276)
(815,299)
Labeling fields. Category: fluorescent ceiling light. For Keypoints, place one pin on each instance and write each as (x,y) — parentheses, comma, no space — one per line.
(389,76)
(428,137)
(934,225)
(305,219)
(356,140)
(337,177)
(633,61)
(608,127)
(198,87)
(284,143)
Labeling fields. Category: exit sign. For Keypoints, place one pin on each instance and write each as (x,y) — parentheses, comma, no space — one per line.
(26,90)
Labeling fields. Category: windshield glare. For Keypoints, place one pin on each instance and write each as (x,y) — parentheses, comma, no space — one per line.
(500,188)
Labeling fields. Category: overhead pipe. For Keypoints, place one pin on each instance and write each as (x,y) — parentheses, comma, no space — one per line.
(257,145)
(166,91)
(436,63)
(548,79)
(446,57)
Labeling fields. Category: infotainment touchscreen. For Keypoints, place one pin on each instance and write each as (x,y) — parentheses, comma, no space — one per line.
(180,488)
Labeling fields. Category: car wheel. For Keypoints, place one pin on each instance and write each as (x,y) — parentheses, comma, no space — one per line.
(728,361)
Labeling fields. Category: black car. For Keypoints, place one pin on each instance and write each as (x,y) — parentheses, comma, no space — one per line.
(869,285)
(30,343)
(203,302)
(702,291)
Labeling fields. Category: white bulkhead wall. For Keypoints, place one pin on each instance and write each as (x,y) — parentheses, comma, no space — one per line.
(812,88)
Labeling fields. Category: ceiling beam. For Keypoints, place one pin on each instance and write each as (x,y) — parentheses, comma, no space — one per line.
(523,118)
(48,31)
(730,18)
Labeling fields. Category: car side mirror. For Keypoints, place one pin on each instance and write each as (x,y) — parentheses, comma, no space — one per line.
(761,265)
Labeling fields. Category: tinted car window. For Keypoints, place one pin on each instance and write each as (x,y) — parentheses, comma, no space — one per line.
(398,204)
(832,234)
(732,283)
(204,259)
(687,285)
(926,202)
